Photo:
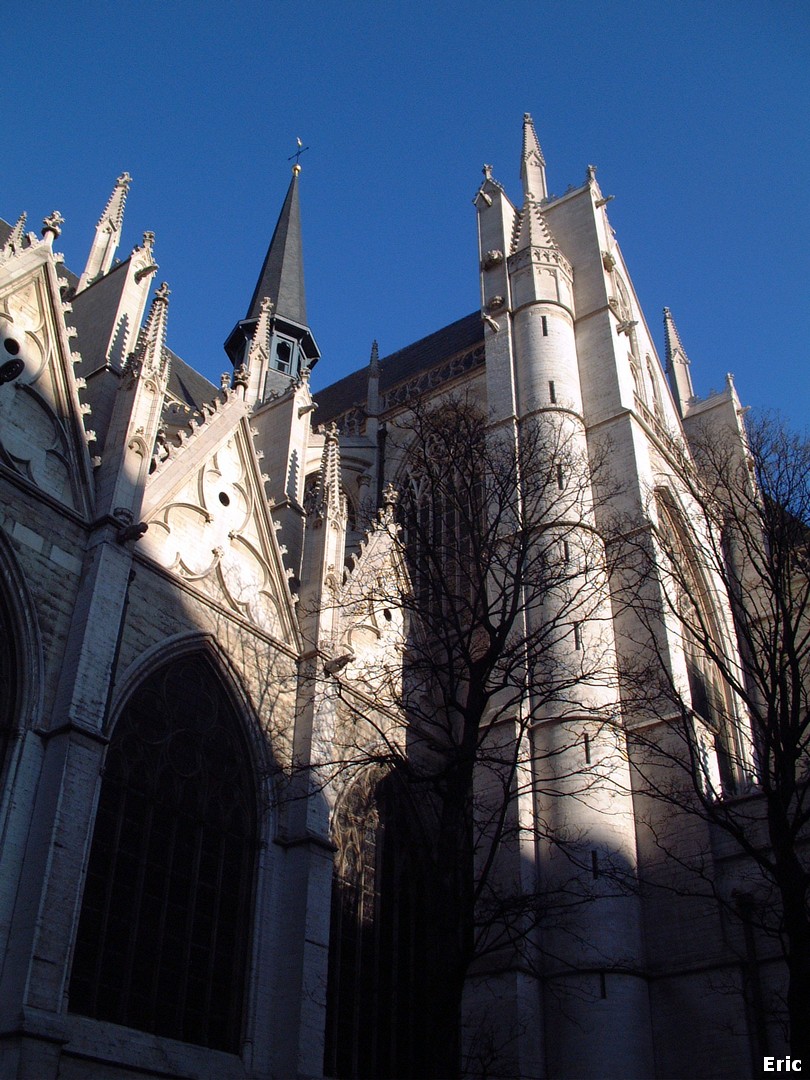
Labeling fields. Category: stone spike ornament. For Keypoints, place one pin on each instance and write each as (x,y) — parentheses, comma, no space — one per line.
(677,365)
(108,234)
(672,339)
(151,357)
(114,210)
(14,240)
(532,164)
(329,500)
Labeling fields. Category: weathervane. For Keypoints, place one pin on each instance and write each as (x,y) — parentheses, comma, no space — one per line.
(297,155)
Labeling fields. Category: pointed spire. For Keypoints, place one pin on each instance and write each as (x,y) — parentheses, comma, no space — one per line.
(14,239)
(258,354)
(677,364)
(532,164)
(674,348)
(531,229)
(113,213)
(151,357)
(373,387)
(108,233)
(329,500)
(282,276)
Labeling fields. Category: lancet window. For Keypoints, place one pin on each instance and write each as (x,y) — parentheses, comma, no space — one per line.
(380,947)
(8,683)
(439,509)
(163,936)
(714,736)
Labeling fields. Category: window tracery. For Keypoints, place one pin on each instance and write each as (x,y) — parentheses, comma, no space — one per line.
(162,944)
(380,950)
(711,709)
(8,682)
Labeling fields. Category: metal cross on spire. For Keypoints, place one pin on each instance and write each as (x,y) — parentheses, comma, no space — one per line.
(297,155)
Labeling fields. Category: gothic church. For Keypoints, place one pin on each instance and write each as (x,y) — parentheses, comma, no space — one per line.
(175,598)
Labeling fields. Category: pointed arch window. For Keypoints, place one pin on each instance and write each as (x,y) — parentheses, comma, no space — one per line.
(163,936)
(380,946)
(714,741)
(8,682)
(440,511)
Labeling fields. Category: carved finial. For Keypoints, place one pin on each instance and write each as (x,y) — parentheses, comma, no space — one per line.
(590,174)
(240,376)
(390,497)
(225,380)
(487,171)
(374,360)
(53,224)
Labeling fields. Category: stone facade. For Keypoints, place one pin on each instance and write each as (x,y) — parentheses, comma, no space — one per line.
(152,522)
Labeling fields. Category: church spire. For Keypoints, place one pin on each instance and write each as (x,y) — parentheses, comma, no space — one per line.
(532,164)
(677,365)
(282,276)
(108,234)
(273,341)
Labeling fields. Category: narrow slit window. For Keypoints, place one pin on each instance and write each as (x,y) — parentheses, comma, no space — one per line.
(560,477)
(586,739)
(566,552)
(544,322)
(578,636)
(552,392)
(595,864)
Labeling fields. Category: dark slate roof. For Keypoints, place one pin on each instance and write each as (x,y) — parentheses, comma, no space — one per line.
(188,385)
(94,311)
(282,276)
(400,366)
(5,231)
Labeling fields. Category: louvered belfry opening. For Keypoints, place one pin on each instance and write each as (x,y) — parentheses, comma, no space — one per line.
(163,939)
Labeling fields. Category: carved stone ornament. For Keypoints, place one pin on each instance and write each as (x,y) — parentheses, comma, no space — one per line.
(493,258)
(495,303)
(608,261)
(53,223)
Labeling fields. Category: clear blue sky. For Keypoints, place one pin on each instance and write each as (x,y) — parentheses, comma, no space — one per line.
(696,115)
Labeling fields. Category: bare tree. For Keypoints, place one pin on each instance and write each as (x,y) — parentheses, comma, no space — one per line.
(722,701)
(503,576)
